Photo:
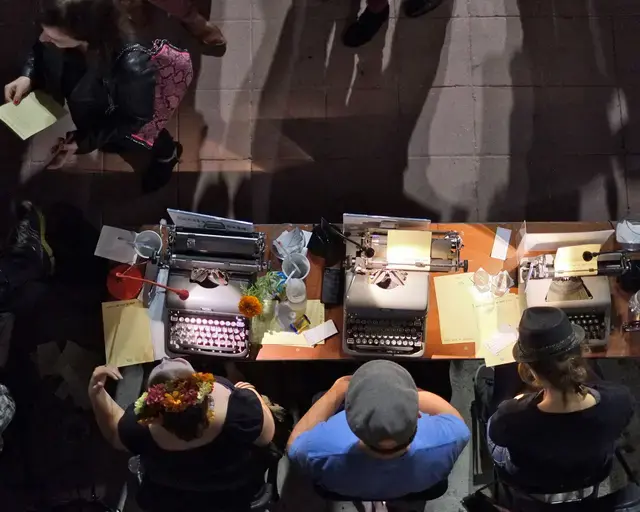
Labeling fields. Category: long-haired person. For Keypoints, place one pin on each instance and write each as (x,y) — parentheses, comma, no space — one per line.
(563,435)
(197,437)
(86,56)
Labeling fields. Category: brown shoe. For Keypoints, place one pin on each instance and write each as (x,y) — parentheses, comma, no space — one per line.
(209,35)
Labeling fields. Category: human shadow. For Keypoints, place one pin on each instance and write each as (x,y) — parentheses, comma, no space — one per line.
(333,125)
(559,160)
(16,38)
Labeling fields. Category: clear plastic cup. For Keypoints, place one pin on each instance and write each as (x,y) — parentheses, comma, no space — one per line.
(296,292)
(296,265)
(147,244)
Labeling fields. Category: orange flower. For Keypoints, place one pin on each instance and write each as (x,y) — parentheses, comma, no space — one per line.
(250,306)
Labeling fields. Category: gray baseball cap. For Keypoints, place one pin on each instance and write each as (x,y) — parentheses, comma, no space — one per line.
(382,403)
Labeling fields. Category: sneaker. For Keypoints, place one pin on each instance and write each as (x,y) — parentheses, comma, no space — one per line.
(159,172)
(415,8)
(28,237)
(365,27)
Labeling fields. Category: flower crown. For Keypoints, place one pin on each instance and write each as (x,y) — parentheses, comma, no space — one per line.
(173,396)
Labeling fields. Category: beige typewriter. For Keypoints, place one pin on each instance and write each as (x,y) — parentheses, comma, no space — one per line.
(584,294)
(213,264)
(387,268)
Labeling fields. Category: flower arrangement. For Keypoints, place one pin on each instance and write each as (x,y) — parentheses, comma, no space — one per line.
(174,396)
(252,302)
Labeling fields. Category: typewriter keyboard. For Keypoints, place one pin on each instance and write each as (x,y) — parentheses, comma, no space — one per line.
(208,334)
(399,337)
(594,324)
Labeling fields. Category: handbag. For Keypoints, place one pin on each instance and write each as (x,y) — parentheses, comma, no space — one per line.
(174,73)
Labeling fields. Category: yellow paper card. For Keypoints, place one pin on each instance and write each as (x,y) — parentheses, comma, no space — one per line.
(127,333)
(35,113)
(455,296)
(271,333)
(497,323)
(570,260)
(406,247)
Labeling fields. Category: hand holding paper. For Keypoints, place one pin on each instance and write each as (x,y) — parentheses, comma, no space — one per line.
(18,89)
(33,114)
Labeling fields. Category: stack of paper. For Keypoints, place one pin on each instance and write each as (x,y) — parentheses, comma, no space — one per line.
(127,333)
(270,332)
(469,316)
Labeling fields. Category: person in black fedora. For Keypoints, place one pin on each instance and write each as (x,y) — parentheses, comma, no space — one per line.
(559,436)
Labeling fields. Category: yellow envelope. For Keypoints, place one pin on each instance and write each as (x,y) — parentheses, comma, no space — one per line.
(35,113)
(127,333)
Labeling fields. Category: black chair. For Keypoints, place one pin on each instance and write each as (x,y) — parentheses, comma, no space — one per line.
(429,494)
(266,497)
(626,499)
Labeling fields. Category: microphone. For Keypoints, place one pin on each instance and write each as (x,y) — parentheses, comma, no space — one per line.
(368,251)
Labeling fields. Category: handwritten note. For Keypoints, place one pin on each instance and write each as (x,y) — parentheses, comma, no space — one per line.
(33,114)
(127,333)
(497,329)
(570,260)
(455,296)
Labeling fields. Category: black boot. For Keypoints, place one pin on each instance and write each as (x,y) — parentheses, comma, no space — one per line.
(165,155)
(28,239)
(365,27)
(415,8)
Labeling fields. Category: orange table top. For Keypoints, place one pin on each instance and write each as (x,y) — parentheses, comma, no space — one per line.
(478,241)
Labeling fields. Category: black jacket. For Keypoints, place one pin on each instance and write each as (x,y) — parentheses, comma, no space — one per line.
(107,103)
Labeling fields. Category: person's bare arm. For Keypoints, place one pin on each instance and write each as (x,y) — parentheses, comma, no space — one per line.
(268,423)
(322,410)
(432,405)
(108,413)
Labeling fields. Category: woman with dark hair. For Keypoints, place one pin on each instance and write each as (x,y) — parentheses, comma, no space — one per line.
(198,437)
(563,435)
(86,57)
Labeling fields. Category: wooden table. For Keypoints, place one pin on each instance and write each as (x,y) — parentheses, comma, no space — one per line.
(478,242)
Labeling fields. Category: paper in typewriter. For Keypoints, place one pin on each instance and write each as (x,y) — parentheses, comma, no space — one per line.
(570,262)
(406,247)
(127,333)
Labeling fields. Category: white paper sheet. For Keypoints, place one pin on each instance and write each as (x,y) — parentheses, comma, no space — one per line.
(322,332)
(501,244)
(116,244)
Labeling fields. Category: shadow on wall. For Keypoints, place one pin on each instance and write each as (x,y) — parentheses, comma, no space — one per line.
(563,159)
(330,136)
